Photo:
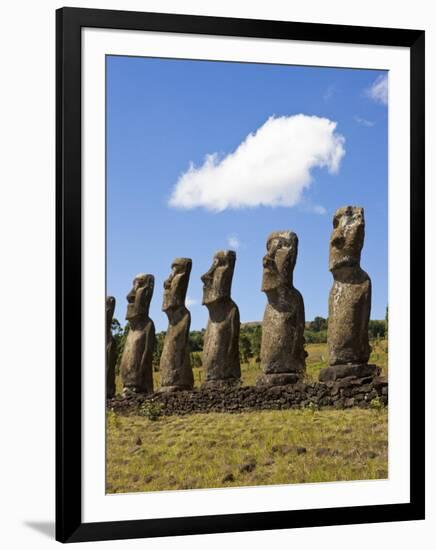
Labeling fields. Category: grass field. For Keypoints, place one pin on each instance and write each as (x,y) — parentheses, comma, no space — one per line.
(253,448)
(256,448)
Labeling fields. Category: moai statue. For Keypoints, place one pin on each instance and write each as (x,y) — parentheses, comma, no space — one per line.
(282,353)
(175,364)
(221,340)
(136,363)
(111,348)
(349,300)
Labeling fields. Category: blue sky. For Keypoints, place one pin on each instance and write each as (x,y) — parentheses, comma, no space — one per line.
(164,116)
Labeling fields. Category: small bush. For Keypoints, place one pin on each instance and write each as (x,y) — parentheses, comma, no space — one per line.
(152,411)
(315,337)
(312,407)
(376,403)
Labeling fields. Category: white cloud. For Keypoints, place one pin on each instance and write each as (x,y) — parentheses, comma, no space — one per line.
(318,209)
(328,94)
(364,122)
(271,167)
(190,301)
(378,91)
(233,242)
(308,206)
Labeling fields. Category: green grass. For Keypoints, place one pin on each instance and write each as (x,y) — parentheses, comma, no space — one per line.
(255,448)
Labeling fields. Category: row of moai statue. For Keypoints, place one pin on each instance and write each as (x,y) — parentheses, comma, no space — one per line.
(282,345)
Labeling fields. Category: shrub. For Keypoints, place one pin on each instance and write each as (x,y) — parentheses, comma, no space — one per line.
(313,337)
(376,403)
(152,411)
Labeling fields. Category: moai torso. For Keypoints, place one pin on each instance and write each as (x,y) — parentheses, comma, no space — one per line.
(282,347)
(111,348)
(349,310)
(136,363)
(350,296)
(221,340)
(175,364)
(349,300)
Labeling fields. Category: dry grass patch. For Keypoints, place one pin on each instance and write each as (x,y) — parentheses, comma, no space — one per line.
(255,448)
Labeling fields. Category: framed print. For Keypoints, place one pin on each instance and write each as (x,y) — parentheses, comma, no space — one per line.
(240,274)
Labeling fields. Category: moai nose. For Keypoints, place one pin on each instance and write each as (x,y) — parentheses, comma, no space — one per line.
(207,276)
(131,296)
(338,241)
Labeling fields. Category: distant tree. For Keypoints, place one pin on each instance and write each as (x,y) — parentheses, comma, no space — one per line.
(160,337)
(120,337)
(117,329)
(245,348)
(256,338)
(117,332)
(318,324)
(376,329)
(196,340)
(315,337)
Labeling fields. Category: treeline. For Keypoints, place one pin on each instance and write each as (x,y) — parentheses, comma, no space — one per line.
(316,330)
(249,339)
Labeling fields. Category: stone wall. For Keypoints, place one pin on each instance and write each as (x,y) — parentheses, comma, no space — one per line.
(340,394)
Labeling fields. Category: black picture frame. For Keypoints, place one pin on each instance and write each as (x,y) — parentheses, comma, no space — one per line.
(69,525)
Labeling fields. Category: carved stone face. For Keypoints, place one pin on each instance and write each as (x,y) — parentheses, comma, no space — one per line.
(217,282)
(176,284)
(139,297)
(347,237)
(279,261)
(110,308)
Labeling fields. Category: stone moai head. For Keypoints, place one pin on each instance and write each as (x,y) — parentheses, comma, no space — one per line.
(347,237)
(279,261)
(176,285)
(217,282)
(139,297)
(110,308)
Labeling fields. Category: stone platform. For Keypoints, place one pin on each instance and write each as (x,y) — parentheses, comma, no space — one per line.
(339,394)
(337,372)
